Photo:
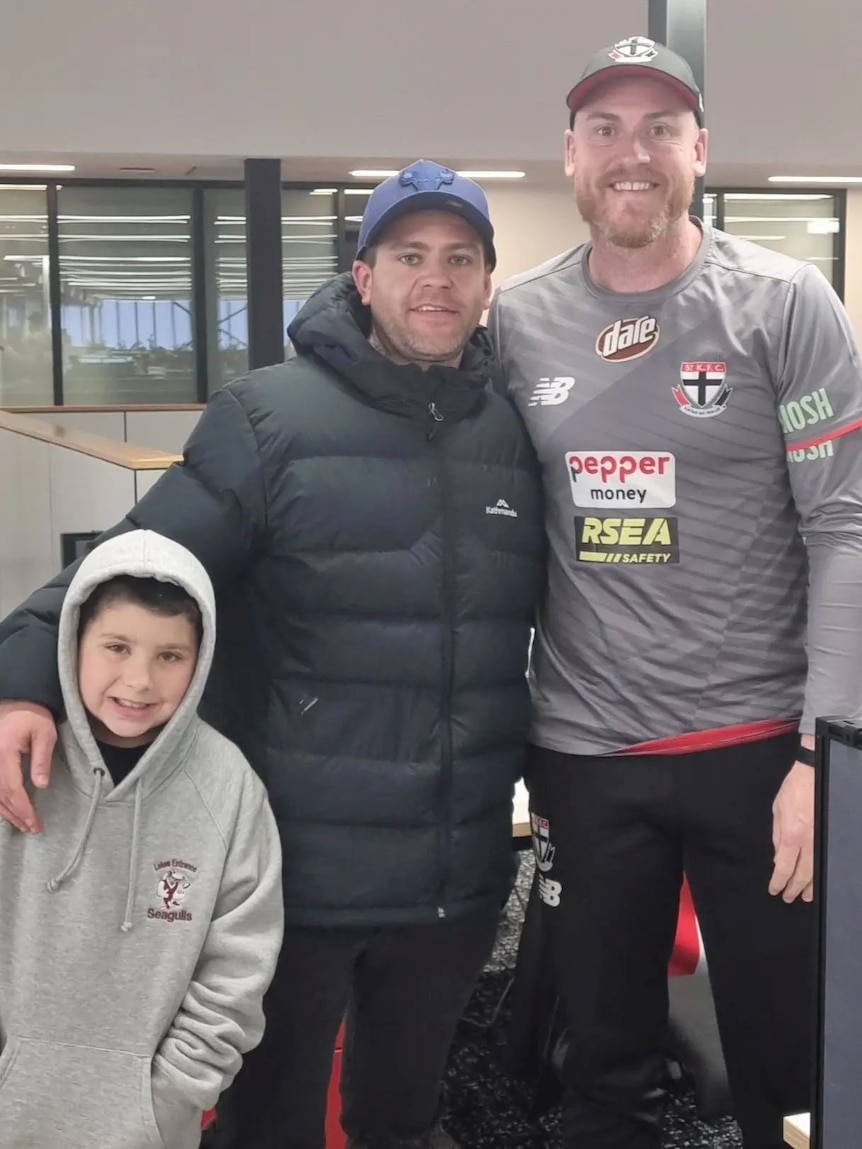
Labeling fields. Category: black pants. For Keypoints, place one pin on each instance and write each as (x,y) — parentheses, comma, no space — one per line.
(619,834)
(404,990)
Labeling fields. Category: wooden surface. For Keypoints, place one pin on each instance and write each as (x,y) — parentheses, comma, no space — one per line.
(97,446)
(107,407)
(797,1131)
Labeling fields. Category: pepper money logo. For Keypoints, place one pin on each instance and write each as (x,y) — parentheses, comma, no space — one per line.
(650,539)
(628,339)
(644,478)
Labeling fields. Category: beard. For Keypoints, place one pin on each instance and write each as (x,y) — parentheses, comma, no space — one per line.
(636,231)
(394,340)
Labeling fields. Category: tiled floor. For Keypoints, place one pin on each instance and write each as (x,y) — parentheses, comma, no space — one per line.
(487,1110)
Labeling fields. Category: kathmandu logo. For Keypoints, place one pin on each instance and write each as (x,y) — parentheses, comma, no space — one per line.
(703,391)
(502,508)
(628,339)
(634,50)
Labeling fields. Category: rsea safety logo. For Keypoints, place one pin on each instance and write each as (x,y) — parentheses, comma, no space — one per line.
(628,339)
(627,541)
(639,478)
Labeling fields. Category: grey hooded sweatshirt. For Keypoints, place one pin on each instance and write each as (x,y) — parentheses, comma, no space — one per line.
(139,931)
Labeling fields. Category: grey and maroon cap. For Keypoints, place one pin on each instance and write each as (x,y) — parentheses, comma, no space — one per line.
(638,56)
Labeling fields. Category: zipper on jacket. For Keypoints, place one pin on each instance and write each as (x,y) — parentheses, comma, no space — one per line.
(444,805)
(437,417)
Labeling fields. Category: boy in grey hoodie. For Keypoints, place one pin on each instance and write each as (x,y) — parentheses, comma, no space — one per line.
(139,933)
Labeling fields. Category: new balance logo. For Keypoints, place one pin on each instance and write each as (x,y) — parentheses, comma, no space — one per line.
(549,392)
(502,508)
(550,891)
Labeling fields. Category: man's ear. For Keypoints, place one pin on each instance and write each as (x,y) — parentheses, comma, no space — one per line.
(489,290)
(569,153)
(362,276)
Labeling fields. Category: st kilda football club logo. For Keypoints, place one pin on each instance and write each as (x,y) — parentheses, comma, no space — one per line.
(542,847)
(628,339)
(703,390)
(633,50)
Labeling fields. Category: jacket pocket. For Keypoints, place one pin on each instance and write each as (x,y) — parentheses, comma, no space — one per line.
(74,1096)
(177,1120)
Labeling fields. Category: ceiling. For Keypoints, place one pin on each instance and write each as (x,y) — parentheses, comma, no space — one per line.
(191,89)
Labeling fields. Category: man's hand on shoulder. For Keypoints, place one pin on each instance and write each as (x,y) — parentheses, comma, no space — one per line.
(25,729)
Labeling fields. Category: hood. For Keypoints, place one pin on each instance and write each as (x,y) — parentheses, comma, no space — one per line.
(144,554)
(334,326)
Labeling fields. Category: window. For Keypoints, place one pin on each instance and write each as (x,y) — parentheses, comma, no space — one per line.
(355,203)
(26,362)
(225,277)
(126,295)
(141,276)
(805,225)
(309,245)
(309,248)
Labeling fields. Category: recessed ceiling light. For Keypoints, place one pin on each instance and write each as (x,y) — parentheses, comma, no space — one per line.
(815,179)
(383,174)
(37,167)
(491,175)
(776,197)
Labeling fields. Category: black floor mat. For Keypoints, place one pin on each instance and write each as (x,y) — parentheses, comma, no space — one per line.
(485,1109)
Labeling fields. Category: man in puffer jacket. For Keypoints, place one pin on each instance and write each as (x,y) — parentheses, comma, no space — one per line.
(370,516)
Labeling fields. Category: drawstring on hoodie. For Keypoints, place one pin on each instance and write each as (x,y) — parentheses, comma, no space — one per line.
(55,883)
(133,864)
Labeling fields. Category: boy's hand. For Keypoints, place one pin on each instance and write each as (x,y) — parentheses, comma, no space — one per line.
(25,728)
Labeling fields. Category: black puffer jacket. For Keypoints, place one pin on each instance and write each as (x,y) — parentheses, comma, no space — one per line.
(374,533)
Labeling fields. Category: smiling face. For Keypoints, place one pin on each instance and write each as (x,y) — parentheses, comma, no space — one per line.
(134,668)
(427,286)
(633,154)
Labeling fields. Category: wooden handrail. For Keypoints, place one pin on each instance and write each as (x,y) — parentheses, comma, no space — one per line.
(96,446)
(110,408)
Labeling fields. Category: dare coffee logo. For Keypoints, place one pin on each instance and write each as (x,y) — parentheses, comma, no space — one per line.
(628,339)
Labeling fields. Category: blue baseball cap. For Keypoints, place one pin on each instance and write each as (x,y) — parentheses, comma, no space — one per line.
(426,186)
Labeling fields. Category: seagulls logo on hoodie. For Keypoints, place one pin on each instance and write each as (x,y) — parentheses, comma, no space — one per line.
(172,889)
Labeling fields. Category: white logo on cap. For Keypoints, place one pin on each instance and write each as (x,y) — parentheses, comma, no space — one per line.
(634,50)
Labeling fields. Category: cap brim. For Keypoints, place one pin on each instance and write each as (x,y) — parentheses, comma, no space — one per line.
(583,90)
(435,201)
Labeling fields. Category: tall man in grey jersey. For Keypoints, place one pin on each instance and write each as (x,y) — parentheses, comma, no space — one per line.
(696,402)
